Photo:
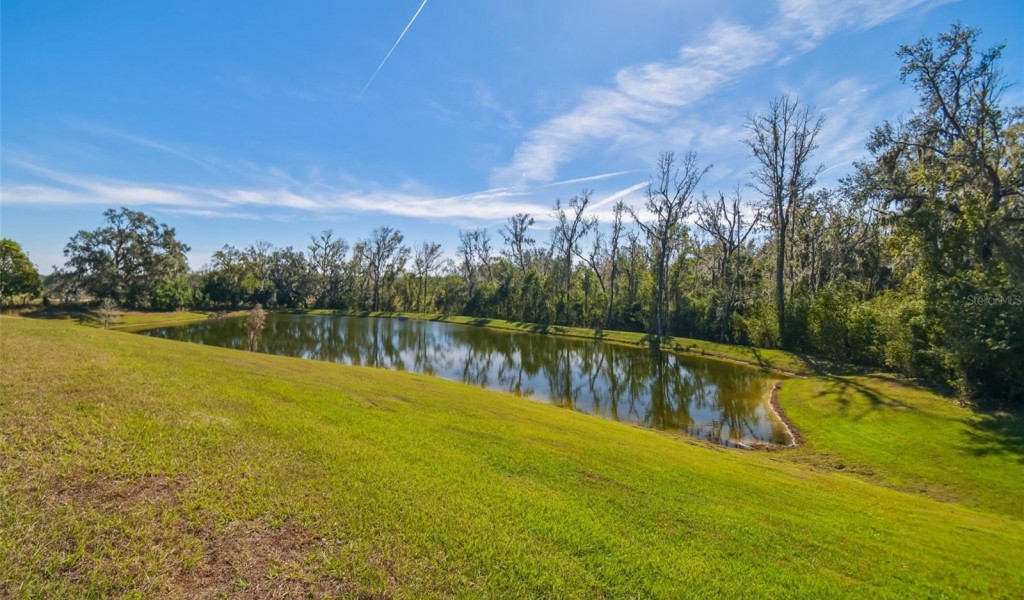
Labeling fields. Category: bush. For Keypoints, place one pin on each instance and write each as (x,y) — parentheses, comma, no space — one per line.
(759,328)
(865,340)
(173,294)
(840,326)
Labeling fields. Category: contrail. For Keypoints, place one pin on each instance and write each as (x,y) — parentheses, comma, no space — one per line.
(388,55)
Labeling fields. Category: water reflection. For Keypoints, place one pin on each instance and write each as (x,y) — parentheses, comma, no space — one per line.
(703,398)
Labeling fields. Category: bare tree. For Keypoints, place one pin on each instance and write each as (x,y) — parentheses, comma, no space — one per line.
(782,141)
(636,258)
(473,252)
(724,222)
(517,241)
(483,253)
(254,325)
(603,258)
(568,233)
(613,258)
(426,263)
(384,257)
(669,200)
(327,261)
(107,312)
(595,258)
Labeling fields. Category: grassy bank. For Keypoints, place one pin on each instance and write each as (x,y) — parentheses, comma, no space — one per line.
(134,465)
(916,440)
(120,319)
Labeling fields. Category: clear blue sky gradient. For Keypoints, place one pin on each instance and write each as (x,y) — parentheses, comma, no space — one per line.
(240,121)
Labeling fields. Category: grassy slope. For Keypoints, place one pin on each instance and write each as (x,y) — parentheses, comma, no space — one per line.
(891,432)
(151,319)
(873,425)
(132,463)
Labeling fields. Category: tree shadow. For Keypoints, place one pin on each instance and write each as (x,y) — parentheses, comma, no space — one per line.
(843,387)
(74,312)
(667,343)
(997,431)
(825,367)
(539,328)
(990,430)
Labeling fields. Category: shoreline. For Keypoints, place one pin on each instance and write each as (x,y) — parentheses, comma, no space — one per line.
(796,437)
(794,434)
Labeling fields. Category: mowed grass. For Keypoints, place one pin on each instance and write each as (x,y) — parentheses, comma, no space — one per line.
(133,466)
(153,319)
(886,430)
(873,425)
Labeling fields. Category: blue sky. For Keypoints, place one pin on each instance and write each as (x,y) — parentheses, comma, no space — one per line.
(240,121)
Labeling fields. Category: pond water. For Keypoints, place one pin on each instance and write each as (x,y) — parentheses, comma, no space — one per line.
(704,398)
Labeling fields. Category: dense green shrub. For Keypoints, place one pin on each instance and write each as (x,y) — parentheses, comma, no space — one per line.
(173,294)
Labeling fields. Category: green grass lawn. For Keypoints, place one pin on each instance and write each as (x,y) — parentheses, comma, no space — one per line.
(134,467)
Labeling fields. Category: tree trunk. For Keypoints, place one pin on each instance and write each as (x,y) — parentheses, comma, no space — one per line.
(611,297)
(780,287)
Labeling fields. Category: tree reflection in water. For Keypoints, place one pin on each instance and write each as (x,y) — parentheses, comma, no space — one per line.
(701,397)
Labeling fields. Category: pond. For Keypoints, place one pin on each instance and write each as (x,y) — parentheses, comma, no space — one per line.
(705,398)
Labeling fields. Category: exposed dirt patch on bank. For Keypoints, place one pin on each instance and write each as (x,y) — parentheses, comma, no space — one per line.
(796,438)
(149,524)
(258,560)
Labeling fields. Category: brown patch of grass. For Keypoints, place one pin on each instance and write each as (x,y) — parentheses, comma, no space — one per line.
(599,479)
(242,559)
(257,560)
(118,494)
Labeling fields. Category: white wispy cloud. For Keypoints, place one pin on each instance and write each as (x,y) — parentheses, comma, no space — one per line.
(110,132)
(210,213)
(484,98)
(809,21)
(644,97)
(76,189)
(52,187)
(849,106)
(647,99)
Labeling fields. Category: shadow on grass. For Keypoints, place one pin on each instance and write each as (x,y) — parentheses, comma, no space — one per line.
(843,388)
(824,367)
(75,312)
(539,328)
(293,311)
(990,430)
(997,432)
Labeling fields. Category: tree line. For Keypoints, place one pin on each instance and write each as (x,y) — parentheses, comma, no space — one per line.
(912,262)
